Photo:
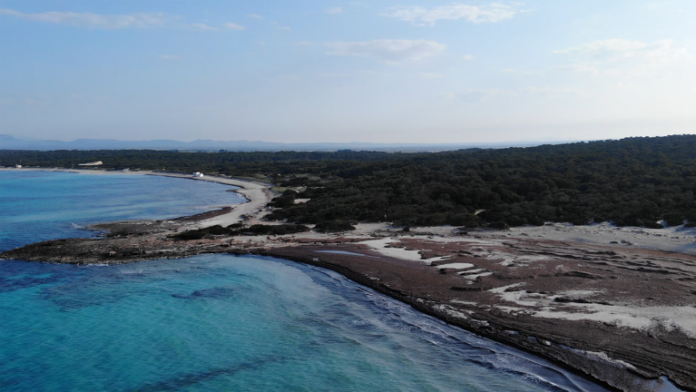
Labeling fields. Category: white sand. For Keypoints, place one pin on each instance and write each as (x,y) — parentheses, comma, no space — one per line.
(517,260)
(472,271)
(456,266)
(674,239)
(474,277)
(457,301)
(399,253)
(643,318)
(452,312)
(604,356)
(257,195)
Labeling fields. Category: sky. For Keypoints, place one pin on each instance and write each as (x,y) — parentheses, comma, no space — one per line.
(331,71)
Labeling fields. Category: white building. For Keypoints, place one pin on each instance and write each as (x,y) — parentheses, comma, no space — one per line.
(197,174)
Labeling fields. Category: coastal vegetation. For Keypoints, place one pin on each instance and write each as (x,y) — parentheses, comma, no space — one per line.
(240,229)
(633,181)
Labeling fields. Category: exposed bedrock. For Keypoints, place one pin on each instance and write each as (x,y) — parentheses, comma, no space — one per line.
(605,351)
(623,316)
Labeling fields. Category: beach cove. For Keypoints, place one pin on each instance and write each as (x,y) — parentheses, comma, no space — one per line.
(481,282)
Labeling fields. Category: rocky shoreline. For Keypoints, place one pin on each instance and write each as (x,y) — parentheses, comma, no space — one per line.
(589,348)
(623,316)
(618,316)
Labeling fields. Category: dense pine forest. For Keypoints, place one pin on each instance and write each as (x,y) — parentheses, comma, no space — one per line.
(634,181)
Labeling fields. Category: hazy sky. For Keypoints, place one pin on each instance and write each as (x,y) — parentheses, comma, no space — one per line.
(320,71)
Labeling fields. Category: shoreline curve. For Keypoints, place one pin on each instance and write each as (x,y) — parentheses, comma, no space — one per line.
(297,248)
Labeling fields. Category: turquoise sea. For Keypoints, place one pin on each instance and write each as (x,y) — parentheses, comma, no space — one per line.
(214,322)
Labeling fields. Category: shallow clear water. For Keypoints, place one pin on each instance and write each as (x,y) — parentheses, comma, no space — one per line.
(40,205)
(219,322)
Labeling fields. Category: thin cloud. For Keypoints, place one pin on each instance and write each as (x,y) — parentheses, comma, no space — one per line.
(430,75)
(614,50)
(234,26)
(551,91)
(490,13)
(334,10)
(392,51)
(627,58)
(255,16)
(514,71)
(483,95)
(203,27)
(92,20)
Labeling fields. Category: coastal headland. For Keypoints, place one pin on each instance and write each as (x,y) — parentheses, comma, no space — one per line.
(616,305)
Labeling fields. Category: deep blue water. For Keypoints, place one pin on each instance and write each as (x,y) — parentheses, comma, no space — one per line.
(214,322)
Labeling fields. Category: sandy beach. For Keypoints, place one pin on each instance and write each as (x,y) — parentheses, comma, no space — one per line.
(257,195)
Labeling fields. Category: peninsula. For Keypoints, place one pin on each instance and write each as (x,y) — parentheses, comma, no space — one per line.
(614,304)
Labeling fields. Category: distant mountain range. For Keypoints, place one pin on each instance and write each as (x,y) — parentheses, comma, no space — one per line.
(9,142)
